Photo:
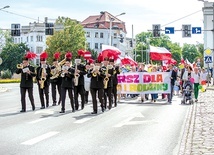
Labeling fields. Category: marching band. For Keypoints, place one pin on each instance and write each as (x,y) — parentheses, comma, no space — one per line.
(98,77)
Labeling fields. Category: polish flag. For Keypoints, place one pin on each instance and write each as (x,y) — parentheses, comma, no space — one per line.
(107,47)
(159,53)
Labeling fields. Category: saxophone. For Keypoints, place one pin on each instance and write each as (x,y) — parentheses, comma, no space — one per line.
(94,74)
(76,75)
(43,78)
(106,79)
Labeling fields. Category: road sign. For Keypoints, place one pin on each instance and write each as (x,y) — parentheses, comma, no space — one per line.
(208,59)
(208,51)
(169,30)
(196,30)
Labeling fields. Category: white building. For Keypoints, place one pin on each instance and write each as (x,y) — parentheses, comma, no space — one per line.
(208,10)
(34,37)
(98,29)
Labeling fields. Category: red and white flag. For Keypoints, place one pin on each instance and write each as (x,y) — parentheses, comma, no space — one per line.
(159,53)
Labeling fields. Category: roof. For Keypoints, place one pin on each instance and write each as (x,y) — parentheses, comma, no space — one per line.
(102,21)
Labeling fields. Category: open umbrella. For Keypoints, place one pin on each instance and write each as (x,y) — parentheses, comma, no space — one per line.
(128,61)
(110,53)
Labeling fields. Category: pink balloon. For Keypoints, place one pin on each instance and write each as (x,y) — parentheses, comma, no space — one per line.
(191,80)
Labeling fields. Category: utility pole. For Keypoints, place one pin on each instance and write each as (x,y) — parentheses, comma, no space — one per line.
(213,45)
(133,43)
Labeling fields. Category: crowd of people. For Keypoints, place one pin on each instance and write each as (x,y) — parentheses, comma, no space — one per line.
(99,78)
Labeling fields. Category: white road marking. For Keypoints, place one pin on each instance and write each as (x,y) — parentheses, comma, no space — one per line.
(40,138)
(124,122)
(83,120)
(46,111)
(38,120)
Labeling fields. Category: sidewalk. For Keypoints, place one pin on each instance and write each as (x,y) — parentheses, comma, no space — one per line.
(3,89)
(198,136)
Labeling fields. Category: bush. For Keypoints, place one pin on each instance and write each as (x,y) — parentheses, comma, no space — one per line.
(6,74)
(9,80)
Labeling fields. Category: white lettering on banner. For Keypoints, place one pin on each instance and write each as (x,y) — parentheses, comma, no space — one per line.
(144,82)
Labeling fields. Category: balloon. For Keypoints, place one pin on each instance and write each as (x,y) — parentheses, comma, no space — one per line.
(191,80)
(199,86)
(202,89)
(181,66)
(203,82)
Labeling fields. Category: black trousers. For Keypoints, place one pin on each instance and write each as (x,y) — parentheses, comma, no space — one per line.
(94,97)
(30,95)
(114,94)
(86,96)
(54,86)
(108,94)
(42,92)
(63,97)
(79,90)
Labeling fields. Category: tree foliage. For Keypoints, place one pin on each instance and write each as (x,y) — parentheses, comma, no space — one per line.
(12,55)
(190,52)
(71,38)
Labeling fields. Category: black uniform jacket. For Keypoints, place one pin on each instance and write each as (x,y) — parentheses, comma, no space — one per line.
(67,80)
(82,70)
(96,81)
(26,79)
(173,76)
(39,74)
(116,72)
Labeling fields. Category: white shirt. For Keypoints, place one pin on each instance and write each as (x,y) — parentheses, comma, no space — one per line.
(196,77)
(203,76)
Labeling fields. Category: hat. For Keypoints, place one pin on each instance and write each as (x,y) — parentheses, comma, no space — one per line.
(100,58)
(56,56)
(43,56)
(68,56)
(29,55)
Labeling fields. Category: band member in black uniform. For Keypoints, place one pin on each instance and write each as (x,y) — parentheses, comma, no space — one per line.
(27,74)
(56,79)
(97,75)
(116,71)
(108,83)
(43,80)
(80,71)
(67,82)
(89,65)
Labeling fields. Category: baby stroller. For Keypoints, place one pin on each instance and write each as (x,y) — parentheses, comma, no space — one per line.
(187,93)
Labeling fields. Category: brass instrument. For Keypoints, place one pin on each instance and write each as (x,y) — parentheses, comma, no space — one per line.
(63,69)
(19,66)
(106,79)
(55,72)
(62,62)
(76,75)
(95,69)
(43,77)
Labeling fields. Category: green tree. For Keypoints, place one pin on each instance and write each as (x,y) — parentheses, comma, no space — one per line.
(12,55)
(190,52)
(94,53)
(71,38)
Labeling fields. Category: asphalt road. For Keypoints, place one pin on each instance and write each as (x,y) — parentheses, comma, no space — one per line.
(131,128)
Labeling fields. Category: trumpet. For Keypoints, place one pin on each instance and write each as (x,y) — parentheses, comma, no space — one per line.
(19,66)
(96,68)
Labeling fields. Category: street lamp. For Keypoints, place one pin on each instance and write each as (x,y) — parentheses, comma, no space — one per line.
(110,28)
(5,7)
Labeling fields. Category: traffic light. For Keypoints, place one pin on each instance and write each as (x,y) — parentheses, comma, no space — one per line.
(156,30)
(15,30)
(49,28)
(121,38)
(131,44)
(186,31)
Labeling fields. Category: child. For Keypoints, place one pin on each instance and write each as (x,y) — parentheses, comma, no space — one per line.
(177,86)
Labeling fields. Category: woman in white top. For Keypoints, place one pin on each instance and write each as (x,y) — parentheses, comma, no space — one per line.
(196,76)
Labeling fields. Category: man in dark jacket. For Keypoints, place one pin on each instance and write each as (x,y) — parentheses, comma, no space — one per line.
(173,77)
(97,86)
(27,74)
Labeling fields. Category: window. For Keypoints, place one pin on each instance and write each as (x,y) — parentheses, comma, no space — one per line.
(96,46)
(115,35)
(31,38)
(21,39)
(101,45)
(27,39)
(101,35)
(15,40)
(88,45)
(88,34)
(18,40)
(39,38)
(39,50)
(31,49)
(96,35)
(37,62)
(115,45)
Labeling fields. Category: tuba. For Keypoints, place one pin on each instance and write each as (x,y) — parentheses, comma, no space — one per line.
(76,75)
(43,77)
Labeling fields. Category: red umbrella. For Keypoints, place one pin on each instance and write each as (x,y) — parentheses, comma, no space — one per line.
(126,61)
(171,61)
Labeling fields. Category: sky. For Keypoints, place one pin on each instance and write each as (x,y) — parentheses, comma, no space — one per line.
(142,14)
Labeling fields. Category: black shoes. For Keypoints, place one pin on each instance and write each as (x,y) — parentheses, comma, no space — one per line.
(43,107)
(23,110)
(62,111)
(94,112)
(73,110)
(33,108)
(54,104)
